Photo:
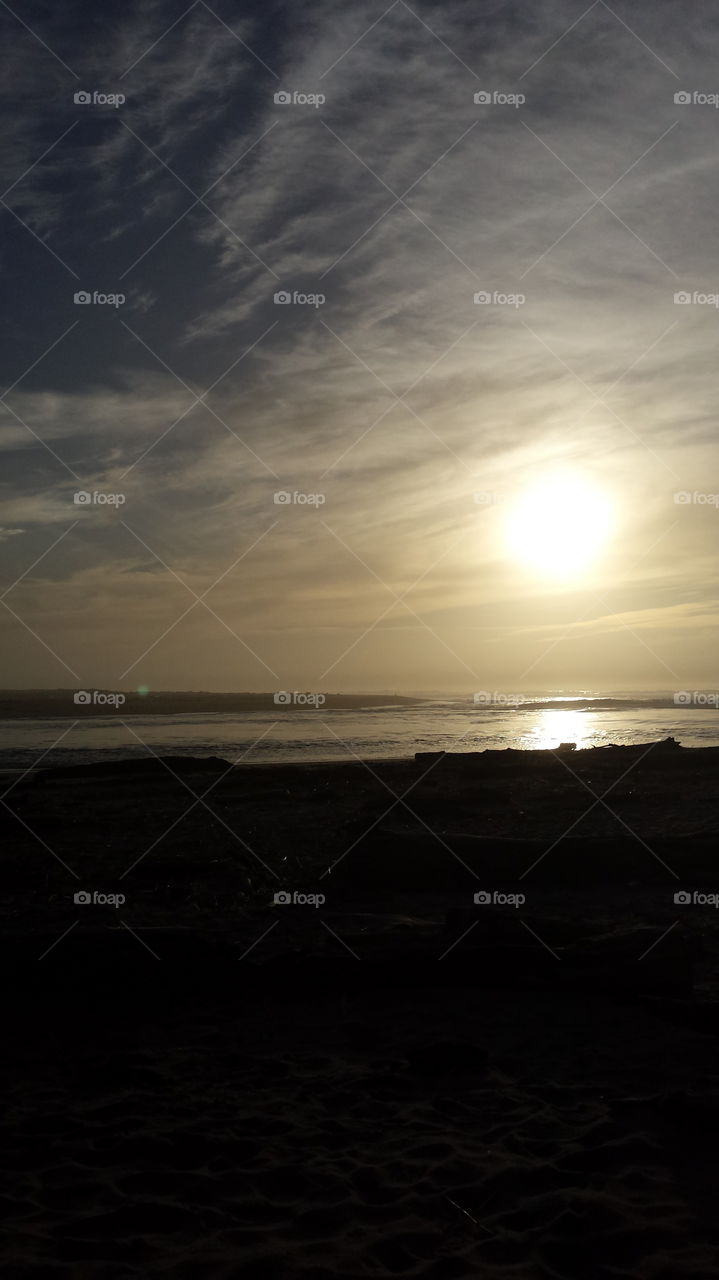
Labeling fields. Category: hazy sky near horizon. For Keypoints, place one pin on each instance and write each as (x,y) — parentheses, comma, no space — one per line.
(398,398)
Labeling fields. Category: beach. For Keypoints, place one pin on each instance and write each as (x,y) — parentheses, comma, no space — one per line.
(435,1133)
(359,729)
(433,1017)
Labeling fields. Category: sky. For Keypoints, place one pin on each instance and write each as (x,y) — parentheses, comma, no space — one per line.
(321,492)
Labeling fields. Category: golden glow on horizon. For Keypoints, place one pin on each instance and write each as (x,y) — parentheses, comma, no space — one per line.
(559,527)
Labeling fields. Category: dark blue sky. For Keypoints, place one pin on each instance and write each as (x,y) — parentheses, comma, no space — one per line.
(582,188)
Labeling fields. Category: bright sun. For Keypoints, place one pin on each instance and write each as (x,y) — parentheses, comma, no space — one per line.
(559,527)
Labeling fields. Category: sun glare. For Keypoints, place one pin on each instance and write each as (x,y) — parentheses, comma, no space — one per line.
(559,527)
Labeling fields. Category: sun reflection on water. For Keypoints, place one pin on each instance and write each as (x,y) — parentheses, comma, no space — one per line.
(552,727)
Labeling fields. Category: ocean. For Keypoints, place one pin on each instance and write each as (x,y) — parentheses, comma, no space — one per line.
(280,735)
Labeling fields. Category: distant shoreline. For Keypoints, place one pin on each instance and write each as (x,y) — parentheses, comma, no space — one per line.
(92,704)
(60,704)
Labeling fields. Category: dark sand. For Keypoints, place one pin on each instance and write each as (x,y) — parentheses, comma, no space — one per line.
(398,1081)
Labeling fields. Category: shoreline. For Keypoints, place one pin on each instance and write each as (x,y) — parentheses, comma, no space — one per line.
(566,750)
(201,841)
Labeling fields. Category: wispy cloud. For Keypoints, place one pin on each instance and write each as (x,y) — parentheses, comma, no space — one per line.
(395,200)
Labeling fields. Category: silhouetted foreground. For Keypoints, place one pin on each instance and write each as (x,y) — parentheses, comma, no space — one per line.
(375,1074)
(201,848)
